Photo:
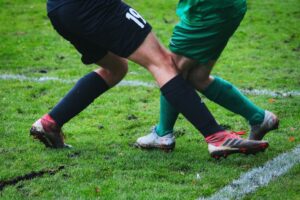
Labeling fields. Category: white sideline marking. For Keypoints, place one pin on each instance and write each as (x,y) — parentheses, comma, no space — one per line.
(55,79)
(258,177)
(271,93)
(144,84)
(33,79)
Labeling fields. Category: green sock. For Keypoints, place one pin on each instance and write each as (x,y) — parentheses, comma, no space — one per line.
(167,119)
(228,96)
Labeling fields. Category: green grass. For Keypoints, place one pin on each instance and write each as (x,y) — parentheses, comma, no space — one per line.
(263,54)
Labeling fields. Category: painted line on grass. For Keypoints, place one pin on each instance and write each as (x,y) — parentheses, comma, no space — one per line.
(66,81)
(256,92)
(34,79)
(258,177)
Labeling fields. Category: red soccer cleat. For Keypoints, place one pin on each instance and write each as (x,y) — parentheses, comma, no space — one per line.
(46,131)
(224,143)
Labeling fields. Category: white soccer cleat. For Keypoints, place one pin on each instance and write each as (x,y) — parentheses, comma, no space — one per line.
(153,141)
(271,122)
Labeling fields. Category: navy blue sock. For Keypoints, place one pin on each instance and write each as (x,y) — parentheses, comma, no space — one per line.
(185,99)
(79,97)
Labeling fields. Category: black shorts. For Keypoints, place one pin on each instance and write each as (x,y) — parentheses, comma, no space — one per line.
(96,27)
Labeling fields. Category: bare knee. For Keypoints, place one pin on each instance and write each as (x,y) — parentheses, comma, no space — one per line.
(113,68)
(163,63)
(113,75)
(118,72)
(199,76)
(198,82)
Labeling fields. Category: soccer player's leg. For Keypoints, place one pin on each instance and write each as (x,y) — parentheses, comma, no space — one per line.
(48,129)
(161,135)
(232,100)
(228,96)
(73,28)
(211,40)
(220,144)
(174,88)
(215,88)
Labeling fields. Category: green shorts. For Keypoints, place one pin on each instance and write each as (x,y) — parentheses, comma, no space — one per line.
(204,42)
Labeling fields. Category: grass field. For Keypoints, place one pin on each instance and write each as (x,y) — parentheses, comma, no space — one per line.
(263,54)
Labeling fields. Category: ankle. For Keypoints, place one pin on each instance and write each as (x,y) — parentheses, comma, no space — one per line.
(49,123)
(257,118)
(161,131)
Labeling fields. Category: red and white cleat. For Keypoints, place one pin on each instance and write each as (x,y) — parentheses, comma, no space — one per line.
(46,131)
(224,143)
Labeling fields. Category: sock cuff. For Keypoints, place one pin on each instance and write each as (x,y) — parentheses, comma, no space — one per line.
(214,89)
(175,82)
(98,79)
(222,82)
(49,118)
(51,123)
(176,85)
(211,128)
(161,132)
(79,97)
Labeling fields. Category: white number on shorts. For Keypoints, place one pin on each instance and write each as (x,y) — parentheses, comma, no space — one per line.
(135,16)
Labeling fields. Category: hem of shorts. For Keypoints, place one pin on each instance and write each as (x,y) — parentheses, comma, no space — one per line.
(185,21)
(93,60)
(132,50)
(200,61)
(138,43)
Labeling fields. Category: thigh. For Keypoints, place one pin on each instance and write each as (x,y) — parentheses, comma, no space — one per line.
(152,55)
(112,62)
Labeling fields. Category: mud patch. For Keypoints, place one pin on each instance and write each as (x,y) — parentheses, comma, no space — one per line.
(43,71)
(74,155)
(226,126)
(100,126)
(180,132)
(132,117)
(29,176)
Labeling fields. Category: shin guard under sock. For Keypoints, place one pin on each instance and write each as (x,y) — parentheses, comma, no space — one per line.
(79,97)
(228,96)
(167,118)
(185,99)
